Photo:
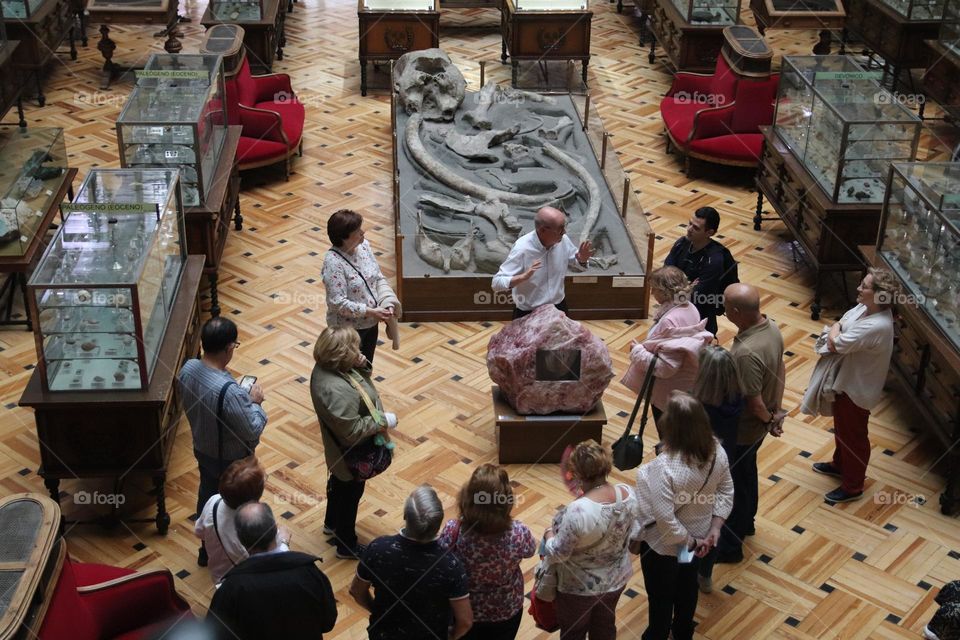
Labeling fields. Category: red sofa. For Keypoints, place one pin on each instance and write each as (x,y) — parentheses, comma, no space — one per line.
(692,93)
(97,602)
(731,135)
(271,116)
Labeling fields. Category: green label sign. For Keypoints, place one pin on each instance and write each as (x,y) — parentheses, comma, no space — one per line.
(194,74)
(847,75)
(952,200)
(109,207)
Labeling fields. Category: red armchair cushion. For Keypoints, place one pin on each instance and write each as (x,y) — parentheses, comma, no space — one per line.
(254,150)
(743,147)
(691,94)
(754,106)
(678,118)
(723,85)
(133,608)
(292,117)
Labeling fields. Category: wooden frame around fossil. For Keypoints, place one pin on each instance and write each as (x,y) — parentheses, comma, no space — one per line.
(592,295)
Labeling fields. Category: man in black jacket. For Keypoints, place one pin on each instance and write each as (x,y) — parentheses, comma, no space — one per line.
(272,594)
(706,262)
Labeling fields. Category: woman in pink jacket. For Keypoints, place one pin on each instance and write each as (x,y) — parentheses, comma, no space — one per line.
(677,336)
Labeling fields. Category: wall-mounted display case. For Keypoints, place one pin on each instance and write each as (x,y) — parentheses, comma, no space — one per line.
(236,10)
(33,163)
(176,117)
(842,126)
(920,238)
(102,294)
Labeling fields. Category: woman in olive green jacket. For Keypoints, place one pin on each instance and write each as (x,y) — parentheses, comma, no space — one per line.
(340,380)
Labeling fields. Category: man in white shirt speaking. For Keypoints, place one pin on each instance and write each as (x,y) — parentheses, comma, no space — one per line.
(538,263)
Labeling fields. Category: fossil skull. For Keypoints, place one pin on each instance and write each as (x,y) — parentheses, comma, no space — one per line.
(429,84)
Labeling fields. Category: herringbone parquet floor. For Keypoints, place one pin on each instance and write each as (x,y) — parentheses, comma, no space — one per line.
(868,569)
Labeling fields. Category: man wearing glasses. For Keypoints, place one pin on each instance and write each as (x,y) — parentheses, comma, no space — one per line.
(226,421)
(538,262)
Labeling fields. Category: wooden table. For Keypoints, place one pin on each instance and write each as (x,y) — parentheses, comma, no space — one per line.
(263,38)
(107,12)
(387,34)
(541,439)
(208,224)
(828,233)
(40,34)
(11,82)
(691,47)
(821,15)
(110,434)
(17,267)
(927,367)
(544,35)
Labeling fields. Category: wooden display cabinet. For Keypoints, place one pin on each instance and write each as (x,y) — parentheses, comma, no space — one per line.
(827,232)
(899,40)
(11,81)
(544,34)
(264,39)
(208,224)
(691,44)
(40,33)
(110,434)
(389,29)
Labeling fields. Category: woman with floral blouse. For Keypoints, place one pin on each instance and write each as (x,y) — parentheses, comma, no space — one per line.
(358,295)
(490,544)
(591,546)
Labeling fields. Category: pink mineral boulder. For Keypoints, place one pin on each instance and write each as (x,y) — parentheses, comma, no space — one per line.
(547,363)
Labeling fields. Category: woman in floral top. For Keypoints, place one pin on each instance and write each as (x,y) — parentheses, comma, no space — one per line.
(490,544)
(591,545)
(358,295)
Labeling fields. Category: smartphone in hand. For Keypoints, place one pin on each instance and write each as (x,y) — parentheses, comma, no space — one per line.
(246,382)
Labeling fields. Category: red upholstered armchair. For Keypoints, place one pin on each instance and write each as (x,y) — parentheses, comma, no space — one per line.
(271,116)
(692,93)
(730,134)
(97,602)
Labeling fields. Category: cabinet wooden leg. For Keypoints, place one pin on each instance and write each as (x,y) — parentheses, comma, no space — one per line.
(653,49)
(237,216)
(758,214)
(106,46)
(214,298)
(53,487)
(584,72)
(163,518)
(22,279)
(23,119)
(815,308)
(950,498)
(73,43)
(41,99)
(363,78)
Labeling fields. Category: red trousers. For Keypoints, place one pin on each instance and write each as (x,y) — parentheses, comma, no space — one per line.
(852,445)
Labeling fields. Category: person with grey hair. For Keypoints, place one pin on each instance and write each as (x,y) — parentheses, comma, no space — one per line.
(417,585)
(269,581)
(537,264)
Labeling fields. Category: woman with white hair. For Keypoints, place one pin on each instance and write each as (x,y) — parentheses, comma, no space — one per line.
(416,584)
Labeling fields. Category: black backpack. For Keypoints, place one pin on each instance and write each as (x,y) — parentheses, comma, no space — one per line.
(729,276)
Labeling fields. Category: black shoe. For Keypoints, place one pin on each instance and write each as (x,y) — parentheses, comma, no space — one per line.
(826,468)
(752,531)
(345,553)
(202,557)
(730,557)
(839,495)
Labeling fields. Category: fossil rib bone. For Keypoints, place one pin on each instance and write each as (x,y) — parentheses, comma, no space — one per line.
(593,192)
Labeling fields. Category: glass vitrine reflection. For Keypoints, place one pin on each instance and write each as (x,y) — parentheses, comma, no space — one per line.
(104,289)
(950,27)
(237,10)
(718,13)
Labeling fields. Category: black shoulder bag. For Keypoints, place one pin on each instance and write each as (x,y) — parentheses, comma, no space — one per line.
(365,283)
(216,530)
(628,449)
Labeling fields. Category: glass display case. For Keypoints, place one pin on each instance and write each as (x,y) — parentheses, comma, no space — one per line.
(32,165)
(843,126)
(176,117)
(236,10)
(950,27)
(398,5)
(715,13)
(128,5)
(920,237)
(105,286)
(917,9)
(551,5)
(20,9)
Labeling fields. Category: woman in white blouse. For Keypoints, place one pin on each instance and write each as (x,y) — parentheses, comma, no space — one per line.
(358,295)
(590,544)
(685,495)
